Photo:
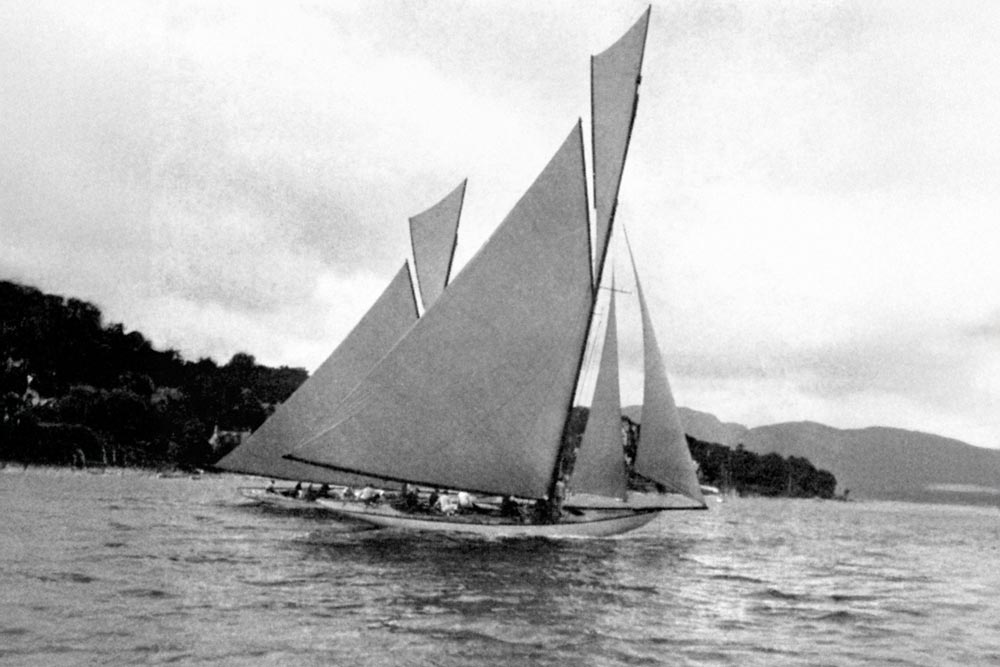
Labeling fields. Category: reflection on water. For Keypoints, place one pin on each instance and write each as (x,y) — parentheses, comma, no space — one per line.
(131,568)
(496,599)
(543,581)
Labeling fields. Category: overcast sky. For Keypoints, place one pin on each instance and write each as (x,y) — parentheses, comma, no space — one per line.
(812,190)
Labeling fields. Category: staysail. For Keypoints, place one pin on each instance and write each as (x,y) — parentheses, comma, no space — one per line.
(475,396)
(389,318)
(662,454)
(614,84)
(434,234)
(600,463)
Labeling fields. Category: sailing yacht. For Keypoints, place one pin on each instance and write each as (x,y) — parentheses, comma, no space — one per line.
(475,395)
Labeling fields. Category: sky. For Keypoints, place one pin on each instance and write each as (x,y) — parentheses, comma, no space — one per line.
(812,188)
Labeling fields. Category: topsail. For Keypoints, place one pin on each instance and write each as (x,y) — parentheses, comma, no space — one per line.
(434,234)
(614,85)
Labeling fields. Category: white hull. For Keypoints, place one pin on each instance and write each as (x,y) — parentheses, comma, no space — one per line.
(589,524)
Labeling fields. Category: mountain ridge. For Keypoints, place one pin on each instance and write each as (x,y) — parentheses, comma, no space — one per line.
(875,462)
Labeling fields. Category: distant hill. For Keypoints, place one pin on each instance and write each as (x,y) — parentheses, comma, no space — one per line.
(875,462)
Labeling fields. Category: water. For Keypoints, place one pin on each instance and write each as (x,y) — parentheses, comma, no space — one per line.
(128,568)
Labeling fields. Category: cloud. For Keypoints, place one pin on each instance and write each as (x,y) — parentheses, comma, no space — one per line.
(809,187)
(827,96)
(73,172)
(989,328)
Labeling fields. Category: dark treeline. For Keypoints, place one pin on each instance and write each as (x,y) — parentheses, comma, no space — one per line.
(737,470)
(76,391)
(749,473)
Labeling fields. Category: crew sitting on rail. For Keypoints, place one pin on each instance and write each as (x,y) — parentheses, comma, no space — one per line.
(509,508)
(409,499)
(446,504)
(370,496)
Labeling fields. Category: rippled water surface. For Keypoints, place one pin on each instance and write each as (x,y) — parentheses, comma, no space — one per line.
(130,568)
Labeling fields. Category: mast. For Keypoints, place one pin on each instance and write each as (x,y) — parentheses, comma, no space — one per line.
(614,84)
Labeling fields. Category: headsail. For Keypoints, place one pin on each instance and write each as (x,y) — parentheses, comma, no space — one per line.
(434,234)
(614,84)
(475,395)
(600,463)
(389,318)
(662,453)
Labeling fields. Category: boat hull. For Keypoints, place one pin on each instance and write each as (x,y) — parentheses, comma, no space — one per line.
(588,524)
(277,502)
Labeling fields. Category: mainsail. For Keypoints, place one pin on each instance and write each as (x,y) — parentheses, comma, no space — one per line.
(662,453)
(434,234)
(475,395)
(600,463)
(614,84)
(393,313)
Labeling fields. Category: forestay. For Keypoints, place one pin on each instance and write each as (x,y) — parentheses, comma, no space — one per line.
(475,396)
